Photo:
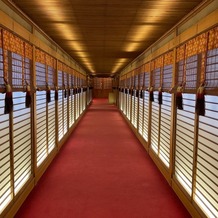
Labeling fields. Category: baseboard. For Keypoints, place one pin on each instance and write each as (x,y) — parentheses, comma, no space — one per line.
(19,201)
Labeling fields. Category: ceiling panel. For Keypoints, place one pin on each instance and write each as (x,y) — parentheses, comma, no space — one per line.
(105,35)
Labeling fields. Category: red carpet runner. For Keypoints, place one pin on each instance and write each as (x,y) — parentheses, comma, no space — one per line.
(102,172)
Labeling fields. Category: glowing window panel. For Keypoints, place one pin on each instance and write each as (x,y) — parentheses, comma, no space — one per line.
(133,108)
(206,195)
(140,116)
(22,141)
(5,179)
(184,142)
(136,112)
(60,107)
(65,114)
(51,123)
(124,102)
(155,124)
(165,129)
(41,127)
(146,115)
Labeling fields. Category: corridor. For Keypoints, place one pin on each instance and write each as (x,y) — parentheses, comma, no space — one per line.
(102,171)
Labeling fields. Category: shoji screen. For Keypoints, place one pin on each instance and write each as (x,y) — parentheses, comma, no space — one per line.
(165,129)
(140,114)
(84,91)
(146,101)
(161,106)
(187,62)
(71,101)
(81,94)
(51,80)
(21,67)
(15,126)
(205,192)
(41,113)
(83,98)
(22,141)
(124,97)
(184,142)
(133,99)
(136,100)
(65,100)
(128,100)
(165,119)
(21,59)
(77,97)
(5,179)
(155,109)
(60,103)
(6,189)
(121,92)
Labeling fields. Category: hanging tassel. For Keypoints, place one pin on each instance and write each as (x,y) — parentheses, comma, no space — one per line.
(141,93)
(56,93)
(160,97)
(200,102)
(151,94)
(8,98)
(48,93)
(137,93)
(65,92)
(28,96)
(132,91)
(69,91)
(179,101)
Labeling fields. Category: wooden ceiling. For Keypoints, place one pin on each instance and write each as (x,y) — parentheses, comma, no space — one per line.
(105,35)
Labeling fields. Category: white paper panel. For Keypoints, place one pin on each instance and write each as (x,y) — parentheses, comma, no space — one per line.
(206,194)
(155,124)
(184,142)
(51,123)
(5,185)
(41,136)
(165,129)
(146,115)
(22,147)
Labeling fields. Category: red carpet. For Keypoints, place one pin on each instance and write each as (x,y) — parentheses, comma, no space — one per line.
(102,172)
